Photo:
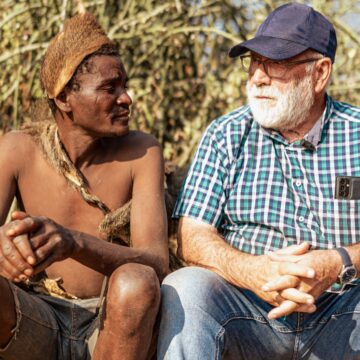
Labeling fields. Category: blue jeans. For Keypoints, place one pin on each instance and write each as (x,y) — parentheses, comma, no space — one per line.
(204,317)
(49,328)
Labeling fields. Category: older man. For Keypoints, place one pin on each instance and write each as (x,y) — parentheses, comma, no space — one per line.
(270,212)
(72,176)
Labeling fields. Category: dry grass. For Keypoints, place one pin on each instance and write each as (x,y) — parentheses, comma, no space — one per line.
(176,55)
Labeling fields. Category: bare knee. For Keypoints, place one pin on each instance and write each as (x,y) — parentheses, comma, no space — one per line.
(132,304)
(135,287)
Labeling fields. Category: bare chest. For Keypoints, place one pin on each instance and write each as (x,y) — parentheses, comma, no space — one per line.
(43,191)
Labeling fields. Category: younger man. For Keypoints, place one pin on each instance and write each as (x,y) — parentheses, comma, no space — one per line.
(72,175)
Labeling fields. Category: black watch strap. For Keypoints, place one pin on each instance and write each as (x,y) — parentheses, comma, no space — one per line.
(344,256)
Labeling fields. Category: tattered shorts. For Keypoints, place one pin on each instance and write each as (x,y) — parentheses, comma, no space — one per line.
(50,328)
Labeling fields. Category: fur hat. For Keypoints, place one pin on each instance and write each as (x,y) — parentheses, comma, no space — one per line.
(82,36)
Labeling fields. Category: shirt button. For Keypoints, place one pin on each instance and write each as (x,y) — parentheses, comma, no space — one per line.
(298,183)
(301,218)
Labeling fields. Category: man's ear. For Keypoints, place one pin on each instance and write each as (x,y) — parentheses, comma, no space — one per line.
(323,72)
(62,101)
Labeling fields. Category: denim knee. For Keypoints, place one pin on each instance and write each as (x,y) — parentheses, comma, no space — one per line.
(188,316)
(193,286)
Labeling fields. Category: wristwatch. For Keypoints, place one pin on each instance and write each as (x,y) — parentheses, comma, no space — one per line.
(348,272)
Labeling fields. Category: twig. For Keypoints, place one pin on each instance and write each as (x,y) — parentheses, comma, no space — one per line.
(9,54)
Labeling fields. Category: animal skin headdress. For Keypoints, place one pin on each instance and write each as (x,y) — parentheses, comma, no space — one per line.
(81,36)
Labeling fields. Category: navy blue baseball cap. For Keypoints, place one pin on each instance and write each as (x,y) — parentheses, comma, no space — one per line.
(288,31)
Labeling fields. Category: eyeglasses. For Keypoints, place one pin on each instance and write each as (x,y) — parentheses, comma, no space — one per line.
(272,68)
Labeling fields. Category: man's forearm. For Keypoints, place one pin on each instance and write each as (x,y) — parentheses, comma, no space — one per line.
(207,249)
(105,257)
(52,242)
(201,245)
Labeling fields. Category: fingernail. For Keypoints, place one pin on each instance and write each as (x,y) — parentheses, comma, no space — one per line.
(30,260)
(311,273)
(16,280)
(28,272)
(272,316)
(265,288)
(10,232)
(22,277)
(311,308)
(28,221)
(309,301)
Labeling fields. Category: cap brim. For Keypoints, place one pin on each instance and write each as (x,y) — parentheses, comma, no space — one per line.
(269,47)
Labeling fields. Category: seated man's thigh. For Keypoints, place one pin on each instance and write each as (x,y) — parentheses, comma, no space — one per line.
(36,333)
(333,331)
(51,328)
(205,317)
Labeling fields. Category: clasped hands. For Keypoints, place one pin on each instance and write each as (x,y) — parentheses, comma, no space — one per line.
(294,277)
(28,245)
(290,279)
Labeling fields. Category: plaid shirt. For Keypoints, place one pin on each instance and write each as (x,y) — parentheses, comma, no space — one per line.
(263,193)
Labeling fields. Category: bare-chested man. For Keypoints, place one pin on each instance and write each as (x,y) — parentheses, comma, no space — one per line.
(85,164)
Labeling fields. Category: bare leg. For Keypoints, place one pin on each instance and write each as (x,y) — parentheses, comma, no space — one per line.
(132,304)
(7,312)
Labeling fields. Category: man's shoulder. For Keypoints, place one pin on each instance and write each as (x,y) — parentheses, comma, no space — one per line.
(237,117)
(230,128)
(16,141)
(134,145)
(17,149)
(134,139)
(346,111)
(143,138)
(234,121)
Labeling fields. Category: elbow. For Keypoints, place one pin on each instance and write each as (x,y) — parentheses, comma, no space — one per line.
(185,254)
(180,252)
(185,238)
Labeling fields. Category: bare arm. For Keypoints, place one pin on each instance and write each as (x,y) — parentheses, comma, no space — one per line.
(8,174)
(148,223)
(15,257)
(148,228)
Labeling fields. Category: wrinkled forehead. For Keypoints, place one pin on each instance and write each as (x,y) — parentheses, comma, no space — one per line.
(105,63)
(103,67)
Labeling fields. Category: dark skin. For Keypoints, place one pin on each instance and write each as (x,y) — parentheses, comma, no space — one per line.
(58,230)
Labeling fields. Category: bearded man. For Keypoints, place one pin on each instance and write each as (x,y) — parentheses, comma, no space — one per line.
(74,176)
(270,212)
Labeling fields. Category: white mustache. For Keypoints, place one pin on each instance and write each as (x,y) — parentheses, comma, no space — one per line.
(266,92)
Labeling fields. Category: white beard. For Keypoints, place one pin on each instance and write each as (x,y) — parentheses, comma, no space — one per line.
(286,109)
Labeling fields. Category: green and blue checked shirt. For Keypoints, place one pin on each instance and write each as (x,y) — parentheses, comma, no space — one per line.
(263,193)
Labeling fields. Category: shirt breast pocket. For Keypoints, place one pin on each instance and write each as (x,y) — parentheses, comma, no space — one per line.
(341,221)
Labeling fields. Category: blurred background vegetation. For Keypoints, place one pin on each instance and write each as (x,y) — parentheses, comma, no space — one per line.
(175,52)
